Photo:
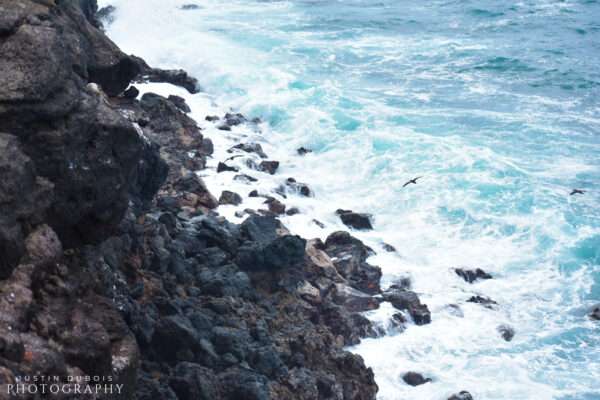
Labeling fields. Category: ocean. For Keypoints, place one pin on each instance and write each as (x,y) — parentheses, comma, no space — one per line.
(495,104)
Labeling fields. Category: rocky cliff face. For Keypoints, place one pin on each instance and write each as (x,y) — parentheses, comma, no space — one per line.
(112,260)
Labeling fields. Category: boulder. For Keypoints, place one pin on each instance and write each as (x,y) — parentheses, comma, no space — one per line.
(275,206)
(269,167)
(355,220)
(353,300)
(471,275)
(222,167)
(192,183)
(462,395)
(228,197)
(403,299)
(303,151)
(249,148)
(483,300)
(292,186)
(43,246)
(349,257)
(414,379)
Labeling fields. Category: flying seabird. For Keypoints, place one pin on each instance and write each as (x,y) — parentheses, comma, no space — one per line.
(413,181)
(576,191)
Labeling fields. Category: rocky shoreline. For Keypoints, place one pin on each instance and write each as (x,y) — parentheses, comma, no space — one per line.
(114,262)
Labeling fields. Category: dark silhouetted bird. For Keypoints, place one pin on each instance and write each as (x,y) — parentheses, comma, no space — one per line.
(576,191)
(413,181)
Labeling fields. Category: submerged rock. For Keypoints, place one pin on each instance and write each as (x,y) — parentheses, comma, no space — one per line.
(303,151)
(471,275)
(507,332)
(462,395)
(222,167)
(595,313)
(269,167)
(485,301)
(249,148)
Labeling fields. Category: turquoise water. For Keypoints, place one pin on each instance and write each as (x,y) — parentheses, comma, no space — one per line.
(495,103)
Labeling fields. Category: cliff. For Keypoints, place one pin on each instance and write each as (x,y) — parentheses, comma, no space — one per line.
(113,262)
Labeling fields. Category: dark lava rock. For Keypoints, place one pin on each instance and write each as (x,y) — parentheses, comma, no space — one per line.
(406,300)
(249,148)
(283,252)
(228,197)
(245,178)
(291,185)
(191,381)
(292,211)
(180,103)
(303,151)
(471,275)
(275,206)
(349,258)
(318,223)
(234,119)
(462,395)
(192,183)
(415,379)
(389,248)
(222,167)
(188,7)
(212,118)
(507,332)
(177,77)
(353,300)
(485,301)
(268,166)
(131,93)
(355,220)
(595,313)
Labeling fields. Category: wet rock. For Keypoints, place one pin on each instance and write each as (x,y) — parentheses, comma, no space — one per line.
(355,220)
(131,93)
(353,300)
(292,211)
(222,167)
(188,7)
(249,148)
(236,119)
(507,332)
(462,395)
(212,118)
(303,151)
(179,103)
(389,248)
(349,257)
(318,223)
(275,206)
(105,15)
(415,379)
(292,186)
(268,166)
(245,178)
(471,275)
(232,198)
(485,301)
(177,77)
(406,300)
(595,313)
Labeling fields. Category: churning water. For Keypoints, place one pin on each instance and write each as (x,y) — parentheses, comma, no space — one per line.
(495,103)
